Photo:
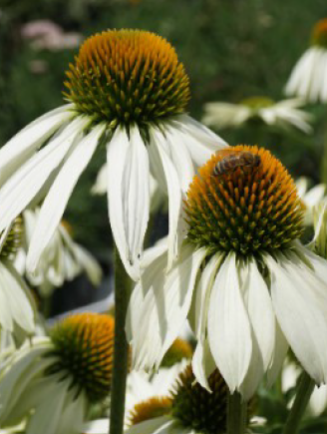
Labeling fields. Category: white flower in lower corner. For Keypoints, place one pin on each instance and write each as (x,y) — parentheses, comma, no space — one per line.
(308,78)
(281,114)
(241,271)
(50,383)
(187,408)
(17,309)
(63,259)
(132,107)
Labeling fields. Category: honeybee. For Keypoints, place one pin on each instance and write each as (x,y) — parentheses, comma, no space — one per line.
(233,159)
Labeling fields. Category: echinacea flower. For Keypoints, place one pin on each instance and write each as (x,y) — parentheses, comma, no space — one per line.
(127,92)
(51,382)
(310,197)
(63,259)
(248,286)
(16,303)
(187,408)
(282,114)
(308,78)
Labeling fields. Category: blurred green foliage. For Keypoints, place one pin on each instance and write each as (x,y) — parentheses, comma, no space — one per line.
(232,49)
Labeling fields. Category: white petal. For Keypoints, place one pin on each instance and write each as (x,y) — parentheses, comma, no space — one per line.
(74,413)
(165,309)
(318,401)
(280,350)
(258,302)
(56,201)
(20,303)
(202,294)
(100,185)
(100,426)
(299,75)
(229,329)
(174,191)
(180,157)
(300,302)
(203,363)
(158,425)
(89,264)
(22,187)
(200,141)
(315,195)
(128,196)
(22,146)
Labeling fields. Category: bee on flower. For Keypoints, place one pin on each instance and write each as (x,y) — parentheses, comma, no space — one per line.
(241,271)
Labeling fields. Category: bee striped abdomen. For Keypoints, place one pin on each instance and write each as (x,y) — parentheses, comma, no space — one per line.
(234,160)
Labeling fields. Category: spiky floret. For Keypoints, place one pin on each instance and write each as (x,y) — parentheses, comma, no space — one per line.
(13,240)
(83,345)
(197,408)
(125,76)
(319,34)
(150,409)
(249,210)
(179,350)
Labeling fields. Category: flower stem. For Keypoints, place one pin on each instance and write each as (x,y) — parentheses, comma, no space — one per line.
(236,414)
(304,391)
(123,286)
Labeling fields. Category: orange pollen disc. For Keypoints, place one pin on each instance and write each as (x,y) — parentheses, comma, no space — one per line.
(83,344)
(243,200)
(126,76)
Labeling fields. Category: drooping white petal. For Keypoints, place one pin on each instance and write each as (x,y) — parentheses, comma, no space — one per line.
(159,425)
(280,350)
(300,301)
(200,141)
(300,76)
(100,185)
(19,301)
(165,308)
(202,295)
(203,363)
(180,156)
(56,201)
(262,318)
(229,328)
(159,155)
(318,400)
(23,186)
(74,412)
(128,196)
(22,146)
(154,273)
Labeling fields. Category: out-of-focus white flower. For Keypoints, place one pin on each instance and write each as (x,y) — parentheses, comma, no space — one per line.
(308,79)
(241,257)
(319,243)
(51,382)
(132,103)
(63,259)
(310,197)
(282,114)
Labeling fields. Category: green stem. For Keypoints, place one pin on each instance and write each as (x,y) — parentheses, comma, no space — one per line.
(236,414)
(303,393)
(123,286)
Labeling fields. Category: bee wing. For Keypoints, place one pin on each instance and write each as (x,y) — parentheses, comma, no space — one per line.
(226,152)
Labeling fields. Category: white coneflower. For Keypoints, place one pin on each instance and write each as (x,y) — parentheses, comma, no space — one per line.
(309,76)
(128,93)
(63,259)
(310,197)
(187,408)
(249,287)
(16,302)
(51,382)
(283,114)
